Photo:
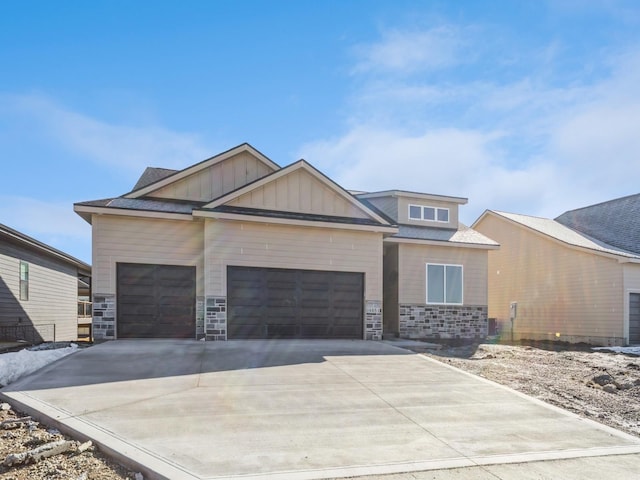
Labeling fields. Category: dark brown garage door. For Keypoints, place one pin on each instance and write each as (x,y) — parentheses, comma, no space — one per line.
(634,318)
(280,303)
(156,301)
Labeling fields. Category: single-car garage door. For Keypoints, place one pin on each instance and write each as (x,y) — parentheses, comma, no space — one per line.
(634,318)
(156,301)
(282,303)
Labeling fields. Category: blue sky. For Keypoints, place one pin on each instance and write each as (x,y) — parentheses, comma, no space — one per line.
(524,106)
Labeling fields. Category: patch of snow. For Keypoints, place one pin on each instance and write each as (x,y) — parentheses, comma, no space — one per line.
(18,364)
(633,350)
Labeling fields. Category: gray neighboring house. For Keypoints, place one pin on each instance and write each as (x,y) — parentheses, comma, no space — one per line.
(40,288)
(237,247)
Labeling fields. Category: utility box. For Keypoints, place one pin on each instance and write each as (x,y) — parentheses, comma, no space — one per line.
(513,311)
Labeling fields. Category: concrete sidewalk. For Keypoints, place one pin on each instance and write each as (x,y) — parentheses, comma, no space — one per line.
(307,410)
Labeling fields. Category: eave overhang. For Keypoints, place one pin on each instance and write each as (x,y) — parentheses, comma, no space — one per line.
(296,222)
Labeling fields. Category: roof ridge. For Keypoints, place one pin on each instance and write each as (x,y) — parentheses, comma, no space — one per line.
(600,203)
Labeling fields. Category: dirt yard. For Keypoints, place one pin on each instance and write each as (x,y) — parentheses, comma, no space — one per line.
(598,385)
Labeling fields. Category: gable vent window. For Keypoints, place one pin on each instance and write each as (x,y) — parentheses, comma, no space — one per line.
(24,281)
(428,214)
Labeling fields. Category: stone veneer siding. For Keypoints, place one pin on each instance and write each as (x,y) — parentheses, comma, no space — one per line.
(215,319)
(443,321)
(104,316)
(373,321)
(200,318)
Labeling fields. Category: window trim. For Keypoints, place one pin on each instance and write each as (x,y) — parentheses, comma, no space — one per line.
(436,210)
(23,293)
(444,279)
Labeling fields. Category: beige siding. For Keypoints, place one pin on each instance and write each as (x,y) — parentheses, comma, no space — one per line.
(559,290)
(403,212)
(413,277)
(301,192)
(141,240)
(283,246)
(216,180)
(53,293)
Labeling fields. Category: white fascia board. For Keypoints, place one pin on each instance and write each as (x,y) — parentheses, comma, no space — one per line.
(418,241)
(288,221)
(245,147)
(301,164)
(132,213)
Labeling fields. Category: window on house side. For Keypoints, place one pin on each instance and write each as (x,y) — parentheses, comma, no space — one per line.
(444,284)
(428,214)
(443,214)
(24,281)
(415,212)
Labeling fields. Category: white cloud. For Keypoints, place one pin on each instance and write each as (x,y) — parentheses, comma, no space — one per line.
(544,141)
(446,161)
(401,51)
(120,146)
(54,223)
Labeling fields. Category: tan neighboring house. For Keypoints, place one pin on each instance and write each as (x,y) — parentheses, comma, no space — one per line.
(552,281)
(40,288)
(236,247)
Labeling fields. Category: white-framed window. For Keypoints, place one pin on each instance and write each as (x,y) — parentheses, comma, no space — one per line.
(444,284)
(428,214)
(24,281)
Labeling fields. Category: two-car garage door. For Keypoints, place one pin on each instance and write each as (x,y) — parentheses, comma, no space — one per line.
(283,303)
(158,301)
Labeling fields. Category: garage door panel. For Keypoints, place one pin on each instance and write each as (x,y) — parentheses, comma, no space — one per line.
(155,301)
(281,303)
(634,318)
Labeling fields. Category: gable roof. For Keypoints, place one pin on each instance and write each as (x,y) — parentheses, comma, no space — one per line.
(615,222)
(43,248)
(152,175)
(300,164)
(559,232)
(180,174)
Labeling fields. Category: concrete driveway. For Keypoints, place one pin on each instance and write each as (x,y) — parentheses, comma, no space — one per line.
(297,410)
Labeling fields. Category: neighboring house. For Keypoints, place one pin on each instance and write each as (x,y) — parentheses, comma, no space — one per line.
(575,278)
(39,289)
(237,247)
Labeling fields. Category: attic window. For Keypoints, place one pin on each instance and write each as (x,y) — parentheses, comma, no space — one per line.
(428,214)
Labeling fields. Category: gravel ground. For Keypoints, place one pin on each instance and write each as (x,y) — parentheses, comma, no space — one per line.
(603,386)
(598,385)
(88,465)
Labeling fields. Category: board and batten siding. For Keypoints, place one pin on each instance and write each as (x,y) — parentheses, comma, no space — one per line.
(53,293)
(256,244)
(216,180)
(144,240)
(300,192)
(412,276)
(562,293)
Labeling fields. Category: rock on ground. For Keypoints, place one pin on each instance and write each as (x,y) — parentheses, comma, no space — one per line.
(72,465)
